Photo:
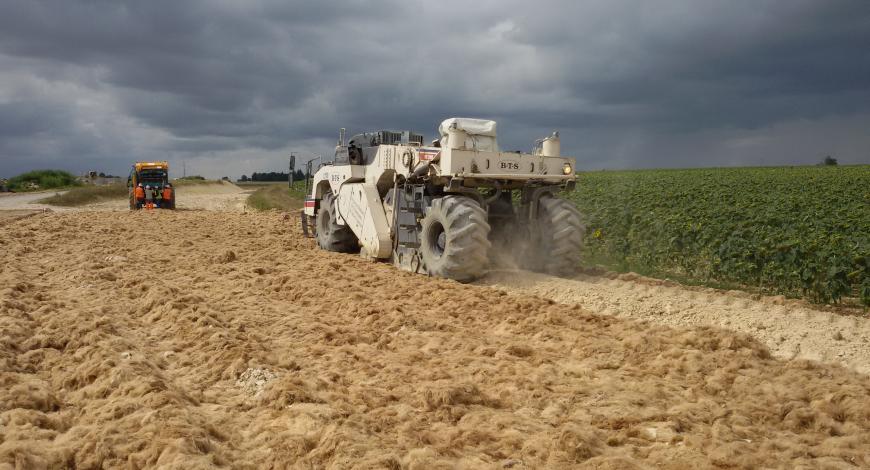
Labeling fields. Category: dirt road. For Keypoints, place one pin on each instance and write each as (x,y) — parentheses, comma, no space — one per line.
(207,196)
(26,201)
(221,196)
(233,343)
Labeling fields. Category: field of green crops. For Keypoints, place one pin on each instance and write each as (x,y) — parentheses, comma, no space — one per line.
(798,231)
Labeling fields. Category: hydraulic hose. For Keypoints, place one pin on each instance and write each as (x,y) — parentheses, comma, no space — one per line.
(495,196)
(424,168)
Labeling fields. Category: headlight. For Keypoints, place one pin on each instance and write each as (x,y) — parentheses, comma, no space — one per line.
(567,170)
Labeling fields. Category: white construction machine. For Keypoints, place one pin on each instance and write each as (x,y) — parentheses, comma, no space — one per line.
(444,209)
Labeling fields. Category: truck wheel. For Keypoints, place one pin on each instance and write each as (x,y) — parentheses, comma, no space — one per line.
(560,237)
(330,235)
(454,239)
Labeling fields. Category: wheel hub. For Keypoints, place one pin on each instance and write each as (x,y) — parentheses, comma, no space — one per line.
(441,243)
(437,239)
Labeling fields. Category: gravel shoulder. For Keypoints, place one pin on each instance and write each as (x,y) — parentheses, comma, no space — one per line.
(789,329)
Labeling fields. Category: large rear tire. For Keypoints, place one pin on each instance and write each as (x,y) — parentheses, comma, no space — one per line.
(560,237)
(330,235)
(454,239)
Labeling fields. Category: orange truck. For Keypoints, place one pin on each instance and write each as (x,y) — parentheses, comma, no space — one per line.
(153,177)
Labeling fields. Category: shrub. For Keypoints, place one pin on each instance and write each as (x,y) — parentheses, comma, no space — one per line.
(42,179)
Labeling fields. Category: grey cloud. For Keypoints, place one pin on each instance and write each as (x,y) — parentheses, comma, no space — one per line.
(26,119)
(629,83)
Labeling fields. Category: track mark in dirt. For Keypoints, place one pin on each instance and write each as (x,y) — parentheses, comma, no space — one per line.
(9,215)
(125,351)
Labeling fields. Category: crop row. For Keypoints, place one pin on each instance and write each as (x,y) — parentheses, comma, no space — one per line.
(799,231)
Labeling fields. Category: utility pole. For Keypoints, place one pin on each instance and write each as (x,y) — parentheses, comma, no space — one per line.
(292,168)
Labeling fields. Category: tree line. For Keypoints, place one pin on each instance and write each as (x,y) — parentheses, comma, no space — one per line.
(274,176)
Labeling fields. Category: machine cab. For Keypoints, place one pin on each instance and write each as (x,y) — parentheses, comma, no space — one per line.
(154,174)
(362,148)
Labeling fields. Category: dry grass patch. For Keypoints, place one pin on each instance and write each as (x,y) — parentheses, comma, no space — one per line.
(276,196)
(87,195)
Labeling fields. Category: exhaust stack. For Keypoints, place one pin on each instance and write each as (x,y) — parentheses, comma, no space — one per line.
(551,147)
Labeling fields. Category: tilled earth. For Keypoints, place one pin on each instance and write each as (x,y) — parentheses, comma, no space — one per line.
(197,339)
(788,328)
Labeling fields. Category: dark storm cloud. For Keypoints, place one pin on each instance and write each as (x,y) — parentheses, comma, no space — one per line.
(740,64)
(26,119)
(629,83)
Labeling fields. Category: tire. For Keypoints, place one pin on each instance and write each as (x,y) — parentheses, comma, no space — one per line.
(560,237)
(330,235)
(454,239)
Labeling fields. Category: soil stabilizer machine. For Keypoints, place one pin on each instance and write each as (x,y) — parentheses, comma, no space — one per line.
(447,208)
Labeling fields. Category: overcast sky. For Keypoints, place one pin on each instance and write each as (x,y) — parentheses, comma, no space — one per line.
(231,87)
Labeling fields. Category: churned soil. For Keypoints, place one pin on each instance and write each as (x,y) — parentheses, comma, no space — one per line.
(788,328)
(225,339)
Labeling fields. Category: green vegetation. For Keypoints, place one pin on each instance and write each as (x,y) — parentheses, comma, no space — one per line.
(277,196)
(798,231)
(42,179)
(83,195)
